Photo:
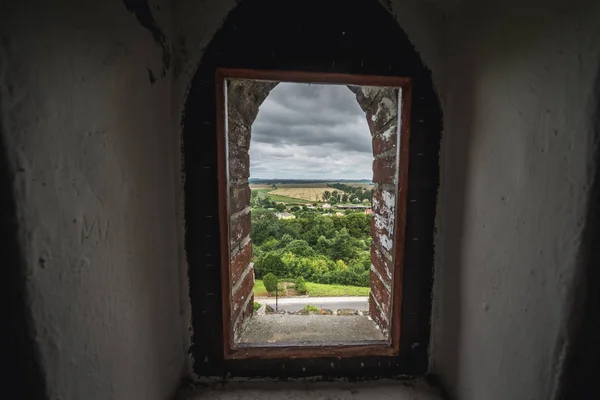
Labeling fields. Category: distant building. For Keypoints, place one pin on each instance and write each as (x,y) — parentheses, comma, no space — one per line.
(368,211)
(327,214)
(339,214)
(284,215)
(326,205)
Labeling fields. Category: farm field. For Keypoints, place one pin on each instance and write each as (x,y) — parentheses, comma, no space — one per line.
(360,184)
(304,193)
(289,185)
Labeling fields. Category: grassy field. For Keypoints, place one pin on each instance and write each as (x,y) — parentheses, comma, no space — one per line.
(265,192)
(300,193)
(304,193)
(287,199)
(289,185)
(259,288)
(320,290)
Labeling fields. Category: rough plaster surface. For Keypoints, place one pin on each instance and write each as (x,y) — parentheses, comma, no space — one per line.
(423,22)
(270,390)
(93,178)
(87,133)
(516,168)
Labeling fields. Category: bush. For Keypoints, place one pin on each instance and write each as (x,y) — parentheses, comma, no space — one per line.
(310,308)
(300,285)
(270,281)
(270,263)
(256,306)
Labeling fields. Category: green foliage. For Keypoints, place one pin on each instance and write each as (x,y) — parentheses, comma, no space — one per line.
(271,263)
(300,285)
(321,249)
(270,281)
(300,248)
(256,306)
(310,308)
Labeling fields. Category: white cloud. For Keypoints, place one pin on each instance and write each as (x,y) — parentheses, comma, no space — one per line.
(310,132)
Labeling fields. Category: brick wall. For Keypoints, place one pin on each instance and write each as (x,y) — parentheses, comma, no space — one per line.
(243,100)
(381,108)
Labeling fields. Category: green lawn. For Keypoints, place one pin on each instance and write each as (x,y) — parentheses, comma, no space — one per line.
(259,288)
(320,290)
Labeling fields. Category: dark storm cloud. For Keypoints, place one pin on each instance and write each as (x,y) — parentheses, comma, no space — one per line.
(310,131)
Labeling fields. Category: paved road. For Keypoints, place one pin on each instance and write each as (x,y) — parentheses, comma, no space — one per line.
(332,303)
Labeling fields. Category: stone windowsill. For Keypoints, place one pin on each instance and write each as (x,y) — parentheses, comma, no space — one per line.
(383,389)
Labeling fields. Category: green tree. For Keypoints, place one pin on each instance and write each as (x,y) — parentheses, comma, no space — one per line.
(300,285)
(280,207)
(264,226)
(358,224)
(344,247)
(270,280)
(270,244)
(270,263)
(326,195)
(300,248)
(285,240)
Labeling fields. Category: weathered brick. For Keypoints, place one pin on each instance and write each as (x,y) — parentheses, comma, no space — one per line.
(382,232)
(378,316)
(239,163)
(382,263)
(239,197)
(246,96)
(384,203)
(240,294)
(383,109)
(240,228)
(385,140)
(384,170)
(381,293)
(238,132)
(245,315)
(240,262)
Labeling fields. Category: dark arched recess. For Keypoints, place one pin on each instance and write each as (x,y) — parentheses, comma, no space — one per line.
(342,36)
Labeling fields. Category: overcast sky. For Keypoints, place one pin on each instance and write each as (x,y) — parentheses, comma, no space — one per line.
(310,132)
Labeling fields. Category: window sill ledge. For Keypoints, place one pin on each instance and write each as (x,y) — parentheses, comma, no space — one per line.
(383,389)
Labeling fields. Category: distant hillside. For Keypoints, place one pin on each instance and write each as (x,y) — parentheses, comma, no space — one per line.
(300,181)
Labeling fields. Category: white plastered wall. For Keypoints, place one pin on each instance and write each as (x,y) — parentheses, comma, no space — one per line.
(516,166)
(91,153)
(101,202)
(196,22)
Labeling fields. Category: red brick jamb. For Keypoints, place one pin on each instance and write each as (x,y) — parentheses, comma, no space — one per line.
(243,99)
(381,108)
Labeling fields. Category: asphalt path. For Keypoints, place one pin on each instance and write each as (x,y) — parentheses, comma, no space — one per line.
(332,303)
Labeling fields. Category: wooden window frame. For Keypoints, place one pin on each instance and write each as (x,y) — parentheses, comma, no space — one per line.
(233,351)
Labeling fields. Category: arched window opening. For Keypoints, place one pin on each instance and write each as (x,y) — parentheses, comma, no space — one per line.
(308,36)
(322,227)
